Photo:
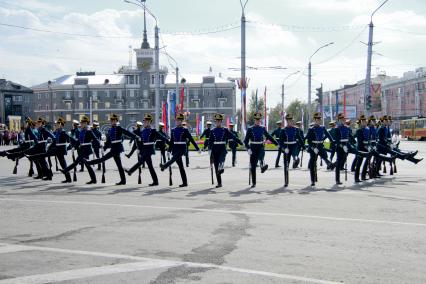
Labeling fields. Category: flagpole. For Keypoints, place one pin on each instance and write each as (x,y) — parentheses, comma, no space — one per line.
(169,128)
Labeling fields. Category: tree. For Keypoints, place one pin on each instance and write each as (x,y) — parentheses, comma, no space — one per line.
(274,115)
(295,108)
(252,107)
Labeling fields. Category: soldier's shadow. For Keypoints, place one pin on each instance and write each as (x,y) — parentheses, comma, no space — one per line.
(279,190)
(246,191)
(157,191)
(210,190)
(124,190)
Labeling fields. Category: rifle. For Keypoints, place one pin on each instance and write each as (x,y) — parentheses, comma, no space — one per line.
(211,167)
(15,169)
(394,166)
(301,159)
(140,170)
(31,171)
(384,167)
(170,170)
(346,167)
(56,163)
(103,167)
(75,168)
(286,160)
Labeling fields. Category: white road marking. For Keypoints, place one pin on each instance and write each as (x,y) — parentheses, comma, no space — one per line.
(142,263)
(254,213)
(5,248)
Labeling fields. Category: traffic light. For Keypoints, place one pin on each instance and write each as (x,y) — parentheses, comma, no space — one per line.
(368,102)
(319,95)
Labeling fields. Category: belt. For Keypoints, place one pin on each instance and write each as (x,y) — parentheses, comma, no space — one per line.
(42,141)
(317,142)
(116,141)
(366,142)
(219,143)
(148,143)
(344,140)
(86,144)
(257,142)
(61,144)
(230,140)
(179,143)
(290,142)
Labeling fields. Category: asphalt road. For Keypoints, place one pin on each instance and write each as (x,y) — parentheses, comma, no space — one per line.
(369,233)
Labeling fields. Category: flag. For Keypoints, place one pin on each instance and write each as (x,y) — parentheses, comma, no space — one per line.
(227,121)
(197,124)
(337,103)
(172,99)
(264,108)
(182,98)
(202,124)
(164,115)
(168,128)
(344,103)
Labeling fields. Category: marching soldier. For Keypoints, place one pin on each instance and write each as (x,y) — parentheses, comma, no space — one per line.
(187,146)
(75,134)
(178,147)
(332,131)
(83,144)
(136,143)
(315,137)
(300,147)
(363,146)
(217,145)
(276,135)
(97,143)
(161,143)
(290,140)
(148,136)
(206,133)
(233,143)
(115,143)
(255,146)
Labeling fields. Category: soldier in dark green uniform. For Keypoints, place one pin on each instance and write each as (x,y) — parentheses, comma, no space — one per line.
(255,145)
(276,134)
(233,143)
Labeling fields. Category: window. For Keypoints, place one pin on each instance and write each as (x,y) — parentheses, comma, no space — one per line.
(54,95)
(132,105)
(39,96)
(196,104)
(68,117)
(131,93)
(152,79)
(107,94)
(68,105)
(144,105)
(47,107)
(95,105)
(107,116)
(107,104)
(54,106)
(80,94)
(95,117)
(161,79)
(145,94)
(121,117)
(39,107)
(80,105)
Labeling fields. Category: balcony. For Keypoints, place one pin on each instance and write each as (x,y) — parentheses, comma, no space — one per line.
(67,98)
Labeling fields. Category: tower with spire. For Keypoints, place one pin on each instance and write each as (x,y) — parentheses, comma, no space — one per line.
(145,55)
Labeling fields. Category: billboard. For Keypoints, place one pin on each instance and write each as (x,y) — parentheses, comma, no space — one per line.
(350,111)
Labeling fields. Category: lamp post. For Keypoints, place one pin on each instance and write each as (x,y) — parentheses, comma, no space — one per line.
(367,90)
(310,79)
(141,3)
(282,94)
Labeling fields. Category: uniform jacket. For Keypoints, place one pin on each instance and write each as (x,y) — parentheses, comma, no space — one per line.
(256,134)
(115,138)
(178,140)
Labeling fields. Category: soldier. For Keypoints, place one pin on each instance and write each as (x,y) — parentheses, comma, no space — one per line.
(59,146)
(363,145)
(300,147)
(255,146)
(178,147)
(148,137)
(38,151)
(136,143)
(83,144)
(315,137)
(290,140)
(276,135)
(115,143)
(332,131)
(217,146)
(187,147)
(97,143)
(233,143)
(206,133)
(161,142)
(75,134)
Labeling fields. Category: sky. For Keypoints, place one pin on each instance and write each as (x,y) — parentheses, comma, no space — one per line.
(95,35)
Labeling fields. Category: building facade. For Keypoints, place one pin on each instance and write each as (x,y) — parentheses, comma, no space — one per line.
(401,97)
(130,93)
(15,103)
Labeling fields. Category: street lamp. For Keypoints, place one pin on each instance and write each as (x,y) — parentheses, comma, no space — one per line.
(310,78)
(49,85)
(367,90)
(141,3)
(282,93)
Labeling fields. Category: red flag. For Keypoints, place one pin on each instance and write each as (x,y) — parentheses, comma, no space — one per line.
(182,98)
(164,116)
(265,114)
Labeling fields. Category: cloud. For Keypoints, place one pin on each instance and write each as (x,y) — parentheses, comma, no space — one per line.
(332,6)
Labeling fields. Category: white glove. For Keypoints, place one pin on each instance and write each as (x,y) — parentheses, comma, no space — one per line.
(345,148)
(286,150)
(210,152)
(249,152)
(199,151)
(316,151)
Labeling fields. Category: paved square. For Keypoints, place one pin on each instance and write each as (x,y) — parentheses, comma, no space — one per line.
(372,233)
